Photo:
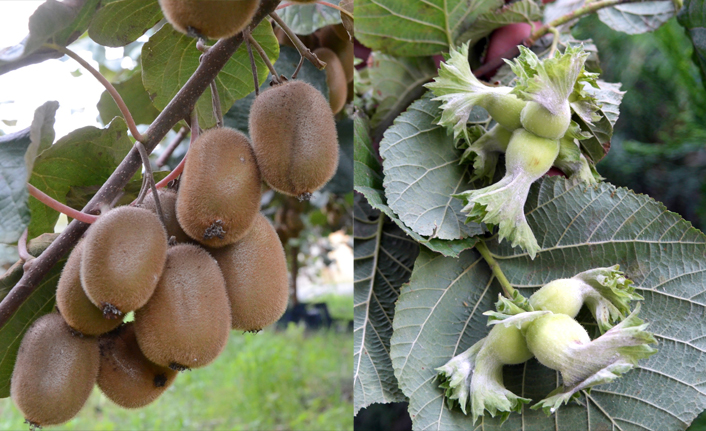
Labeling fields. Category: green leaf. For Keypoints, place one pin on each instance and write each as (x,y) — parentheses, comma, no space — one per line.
(135,97)
(693,18)
(307,18)
(384,257)
(14,213)
(368,181)
(398,82)
(39,303)
(41,133)
(438,314)
(53,22)
(121,22)
(84,157)
(237,115)
(417,28)
(342,181)
(521,11)
(636,18)
(169,59)
(422,171)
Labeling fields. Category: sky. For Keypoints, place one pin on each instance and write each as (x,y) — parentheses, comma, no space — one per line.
(24,90)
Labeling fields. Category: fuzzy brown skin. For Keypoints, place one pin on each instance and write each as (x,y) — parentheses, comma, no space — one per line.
(54,373)
(167,199)
(220,188)
(187,321)
(215,19)
(335,38)
(255,270)
(126,376)
(294,137)
(335,79)
(77,310)
(123,256)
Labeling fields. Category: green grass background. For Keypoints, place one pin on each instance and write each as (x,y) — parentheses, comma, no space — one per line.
(275,380)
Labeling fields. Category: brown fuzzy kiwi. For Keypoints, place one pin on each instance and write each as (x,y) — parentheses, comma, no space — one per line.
(308,40)
(123,256)
(335,79)
(167,200)
(335,38)
(219,191)
(255,270)
(126,376)
(77,310)
(54,372)
(294,137)
(187,321)
(215,19)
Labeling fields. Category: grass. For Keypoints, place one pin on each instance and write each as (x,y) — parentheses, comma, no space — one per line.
(290,380)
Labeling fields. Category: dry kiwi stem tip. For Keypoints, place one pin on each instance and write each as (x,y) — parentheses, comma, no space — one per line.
(215,230)
(176,367)
(265,59)
(111,312)
(304,197)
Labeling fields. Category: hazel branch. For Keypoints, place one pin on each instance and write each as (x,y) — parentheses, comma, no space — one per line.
(108,86)
(58,206)
(508,290)
(303,50)
(179,107)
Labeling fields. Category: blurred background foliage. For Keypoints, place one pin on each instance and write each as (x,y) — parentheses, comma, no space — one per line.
(658,147)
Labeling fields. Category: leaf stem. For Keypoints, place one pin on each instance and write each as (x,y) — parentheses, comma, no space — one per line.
(508,290)
(108,86)
(56,205)
(303,50)
(150,181)
(263,55)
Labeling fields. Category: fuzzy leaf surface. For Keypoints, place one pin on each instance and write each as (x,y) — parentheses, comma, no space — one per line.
(84,157)
(121,22)
(39,303)
(422,171)
(636,18)
(367,174)
(169,59)
(398,82)
(438,315)
(307,18)
(416,28)
(384,256)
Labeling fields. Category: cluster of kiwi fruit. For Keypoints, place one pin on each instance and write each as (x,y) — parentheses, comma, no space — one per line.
(332,45)
(212,263)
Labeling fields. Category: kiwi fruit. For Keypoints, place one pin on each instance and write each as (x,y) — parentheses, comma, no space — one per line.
(294,138)
(335,79)
(255,271)
(123,256)
(219,191)
(54,372)
(335,38)
(126,376)
(187,321)
(167,200)
(214,19)
(77,310)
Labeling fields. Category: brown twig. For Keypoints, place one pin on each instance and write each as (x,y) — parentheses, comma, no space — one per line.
(263,56)
(303,50)
(253,66)
(178,107)
(167,153)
